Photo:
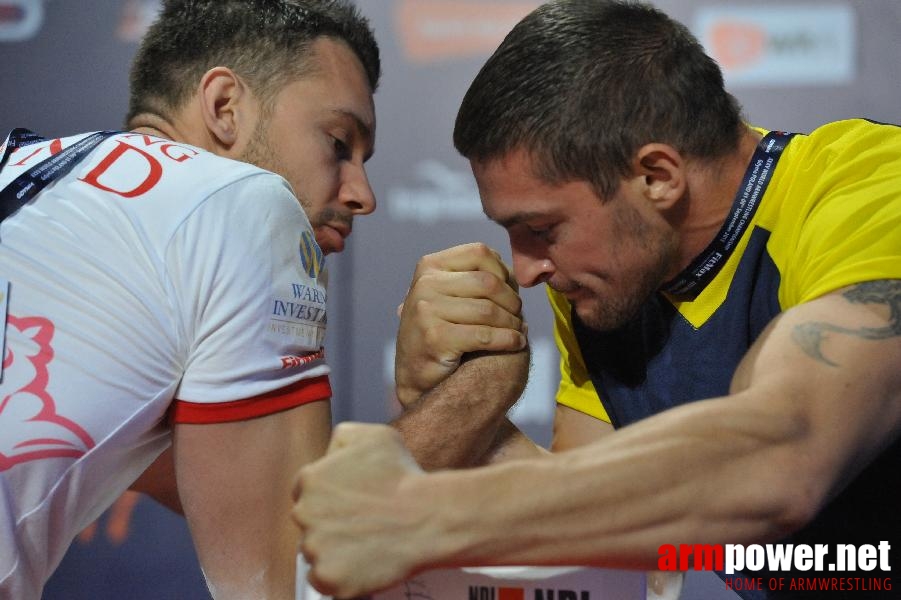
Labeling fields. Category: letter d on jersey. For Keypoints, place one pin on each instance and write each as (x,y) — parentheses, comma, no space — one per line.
(127,167)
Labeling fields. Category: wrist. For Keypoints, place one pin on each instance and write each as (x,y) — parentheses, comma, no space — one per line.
(445,535)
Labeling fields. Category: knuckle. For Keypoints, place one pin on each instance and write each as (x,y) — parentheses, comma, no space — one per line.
(429,262)
(482,249)
(424,307)
(488,309)
(488,282)
(426,261)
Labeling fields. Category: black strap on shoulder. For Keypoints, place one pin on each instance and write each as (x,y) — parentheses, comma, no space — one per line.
(30,183)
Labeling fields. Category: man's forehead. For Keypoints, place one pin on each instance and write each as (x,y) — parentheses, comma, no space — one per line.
(519,161)
(506,185)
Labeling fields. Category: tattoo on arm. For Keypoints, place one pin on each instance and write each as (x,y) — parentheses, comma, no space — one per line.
(810,336)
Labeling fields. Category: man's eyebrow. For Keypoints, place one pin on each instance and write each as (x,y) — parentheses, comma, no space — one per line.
(363,130)
(516,218)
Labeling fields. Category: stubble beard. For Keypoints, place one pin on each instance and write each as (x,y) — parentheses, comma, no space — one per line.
(612,312)
(260,153)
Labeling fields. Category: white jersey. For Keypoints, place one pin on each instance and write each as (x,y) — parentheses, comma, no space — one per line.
(155,283)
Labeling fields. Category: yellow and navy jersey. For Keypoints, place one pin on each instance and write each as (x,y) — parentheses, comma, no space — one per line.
(830,217)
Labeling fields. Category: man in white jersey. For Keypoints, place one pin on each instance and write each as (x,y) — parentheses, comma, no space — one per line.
(165,304)
(158,291)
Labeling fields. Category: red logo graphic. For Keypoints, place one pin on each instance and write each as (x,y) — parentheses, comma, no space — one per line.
(10,13)
(20,20)
(510,594)
(291,362)
(32,429)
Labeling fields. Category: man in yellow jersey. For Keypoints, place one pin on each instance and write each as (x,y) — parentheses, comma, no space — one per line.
(728,297)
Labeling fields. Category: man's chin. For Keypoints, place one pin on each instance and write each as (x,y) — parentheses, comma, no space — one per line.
(602,319)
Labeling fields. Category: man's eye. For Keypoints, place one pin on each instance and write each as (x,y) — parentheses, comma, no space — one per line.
(539,232)
(342,150)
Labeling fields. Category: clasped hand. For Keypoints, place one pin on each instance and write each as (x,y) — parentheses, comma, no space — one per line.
(461,300)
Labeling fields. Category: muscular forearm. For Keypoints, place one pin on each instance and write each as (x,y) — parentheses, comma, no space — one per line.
(807,412)
(457,423)
(680,477)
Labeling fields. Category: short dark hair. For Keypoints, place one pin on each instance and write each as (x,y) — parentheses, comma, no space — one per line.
(581,85)
(263,41)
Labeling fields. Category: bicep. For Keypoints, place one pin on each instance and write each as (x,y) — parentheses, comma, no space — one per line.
(234,481)
(834,365)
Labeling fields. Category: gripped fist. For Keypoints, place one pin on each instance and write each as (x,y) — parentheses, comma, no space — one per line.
(360,531)
(461,300)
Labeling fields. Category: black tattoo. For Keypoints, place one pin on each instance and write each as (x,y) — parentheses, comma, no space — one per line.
(810,336)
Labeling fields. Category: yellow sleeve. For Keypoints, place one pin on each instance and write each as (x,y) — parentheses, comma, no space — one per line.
(576,389)
(851,213)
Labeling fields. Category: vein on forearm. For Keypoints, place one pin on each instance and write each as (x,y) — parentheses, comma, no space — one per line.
(613,504)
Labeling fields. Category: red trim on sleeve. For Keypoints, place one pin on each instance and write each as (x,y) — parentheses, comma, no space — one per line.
(302,392)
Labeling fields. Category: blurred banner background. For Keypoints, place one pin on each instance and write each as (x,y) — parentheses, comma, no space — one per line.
(64,69)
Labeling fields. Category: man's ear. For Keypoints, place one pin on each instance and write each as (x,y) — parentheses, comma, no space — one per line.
(662,170)
(226,106)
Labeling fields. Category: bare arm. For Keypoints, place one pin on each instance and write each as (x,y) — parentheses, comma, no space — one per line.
(572,429)
(235,482)
(818,397)
(461,360)
(814,401)
(458,422)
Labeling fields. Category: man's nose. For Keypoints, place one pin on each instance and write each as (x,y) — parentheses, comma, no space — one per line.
(531,270)
(356,191)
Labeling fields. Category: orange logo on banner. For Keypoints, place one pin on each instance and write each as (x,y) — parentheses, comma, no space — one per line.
(736,45)
(432,30)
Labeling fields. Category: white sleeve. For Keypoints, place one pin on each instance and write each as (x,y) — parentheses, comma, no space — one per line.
(250,288)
